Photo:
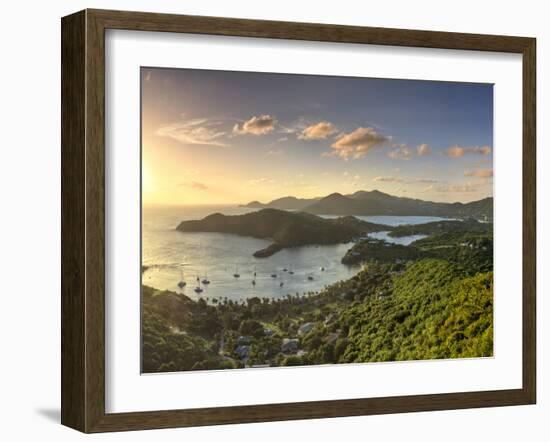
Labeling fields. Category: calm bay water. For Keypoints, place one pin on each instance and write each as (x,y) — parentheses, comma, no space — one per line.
(403,240)
(168,252)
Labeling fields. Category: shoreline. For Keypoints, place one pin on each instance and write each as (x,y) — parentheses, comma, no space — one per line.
(338,323)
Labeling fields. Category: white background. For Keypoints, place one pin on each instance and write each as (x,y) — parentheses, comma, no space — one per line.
(30,256)
(128,391)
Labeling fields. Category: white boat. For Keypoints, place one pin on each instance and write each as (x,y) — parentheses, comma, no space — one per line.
(237,274)
(205,279)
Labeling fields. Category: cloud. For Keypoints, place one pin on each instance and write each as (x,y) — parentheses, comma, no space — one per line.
(480,173)
(403,152)
(357,144)
(459,151)
(286,129)
(387,179)
(275,152)
(260,125)
(319,131)
(194,131)
(394,179)
(455,188)
(423,149)
(425,181)
(194,185)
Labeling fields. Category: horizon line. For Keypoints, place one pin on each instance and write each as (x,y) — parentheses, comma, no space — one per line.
(152,204)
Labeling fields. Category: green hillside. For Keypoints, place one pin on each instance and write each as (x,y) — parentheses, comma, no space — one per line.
(436,304)
(428,312)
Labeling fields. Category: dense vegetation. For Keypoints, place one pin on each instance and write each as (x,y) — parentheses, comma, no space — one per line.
(431,313)
(432,299)
(381,251)
(437,227)
(177,333)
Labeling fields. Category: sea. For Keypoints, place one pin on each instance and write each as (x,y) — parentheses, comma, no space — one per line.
(170,255)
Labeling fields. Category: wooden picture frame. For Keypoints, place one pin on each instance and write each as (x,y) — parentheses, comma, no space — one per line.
(83,220)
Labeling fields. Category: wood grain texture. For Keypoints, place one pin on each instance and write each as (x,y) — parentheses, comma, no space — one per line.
(73,130)
(144,21)
(529,220)
(83,220)
(95,221)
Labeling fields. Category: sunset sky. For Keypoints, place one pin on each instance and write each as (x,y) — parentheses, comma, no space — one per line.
(211,137)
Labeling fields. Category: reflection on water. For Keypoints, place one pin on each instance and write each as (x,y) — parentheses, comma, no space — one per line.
(219,256)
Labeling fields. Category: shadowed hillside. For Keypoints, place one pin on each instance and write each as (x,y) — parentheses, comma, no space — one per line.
(378,203)
(286,229)
(372,203)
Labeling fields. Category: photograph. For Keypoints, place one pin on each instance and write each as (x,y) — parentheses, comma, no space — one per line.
(260,222)
(295,220)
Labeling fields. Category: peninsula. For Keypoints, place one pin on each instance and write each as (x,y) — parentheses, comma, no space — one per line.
(285,229)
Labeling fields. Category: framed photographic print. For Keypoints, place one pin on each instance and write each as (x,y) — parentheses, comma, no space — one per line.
(268,221)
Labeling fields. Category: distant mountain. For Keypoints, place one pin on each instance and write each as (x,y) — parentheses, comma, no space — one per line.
(285,229)
(284,203)
(375,202)
(336,204)
(379,203)
(253,205)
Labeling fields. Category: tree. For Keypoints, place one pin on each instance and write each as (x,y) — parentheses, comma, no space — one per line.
(252,328)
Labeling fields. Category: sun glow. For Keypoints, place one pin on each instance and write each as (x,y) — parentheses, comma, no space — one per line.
(213,137)
(147,183)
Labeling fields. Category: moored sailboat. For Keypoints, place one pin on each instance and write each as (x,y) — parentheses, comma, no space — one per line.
(198,288)
(182,282)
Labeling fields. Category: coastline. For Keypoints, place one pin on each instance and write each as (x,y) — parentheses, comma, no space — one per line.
(325,326)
